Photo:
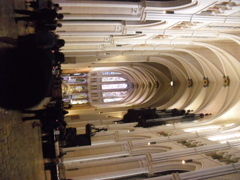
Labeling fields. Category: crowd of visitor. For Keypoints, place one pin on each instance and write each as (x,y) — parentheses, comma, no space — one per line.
(31,58)
(26,69)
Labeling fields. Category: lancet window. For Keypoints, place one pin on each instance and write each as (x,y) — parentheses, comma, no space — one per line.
(108,86)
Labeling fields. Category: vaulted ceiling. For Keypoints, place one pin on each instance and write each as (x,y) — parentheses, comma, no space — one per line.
(192,48)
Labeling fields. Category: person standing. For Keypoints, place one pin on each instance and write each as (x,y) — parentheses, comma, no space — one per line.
(47,25)
(50,112)
(41,14)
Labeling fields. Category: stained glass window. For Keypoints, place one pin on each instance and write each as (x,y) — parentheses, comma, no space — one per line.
(112,94)
(79,101)
(75,74)
(107,79)
(75,80)
(79,74)
(79,95)
(114,86)
(79,88)
(110,73)
(112,99)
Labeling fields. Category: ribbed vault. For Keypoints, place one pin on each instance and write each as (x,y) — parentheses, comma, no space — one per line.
(204,74)
(194,45)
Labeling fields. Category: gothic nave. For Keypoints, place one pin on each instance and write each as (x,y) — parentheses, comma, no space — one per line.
(180,54)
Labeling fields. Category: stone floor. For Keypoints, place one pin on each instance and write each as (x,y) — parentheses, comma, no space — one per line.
(20,144)
(20,148)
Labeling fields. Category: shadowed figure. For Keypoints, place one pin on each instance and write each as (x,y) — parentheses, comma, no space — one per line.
(39,40)
(55,113)
(44,14)
(25,76)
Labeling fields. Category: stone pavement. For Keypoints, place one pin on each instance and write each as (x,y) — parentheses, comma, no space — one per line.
(20,144)
(20,148)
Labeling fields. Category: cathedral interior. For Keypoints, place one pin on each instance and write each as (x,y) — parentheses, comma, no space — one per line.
(176,54)
(125,58)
